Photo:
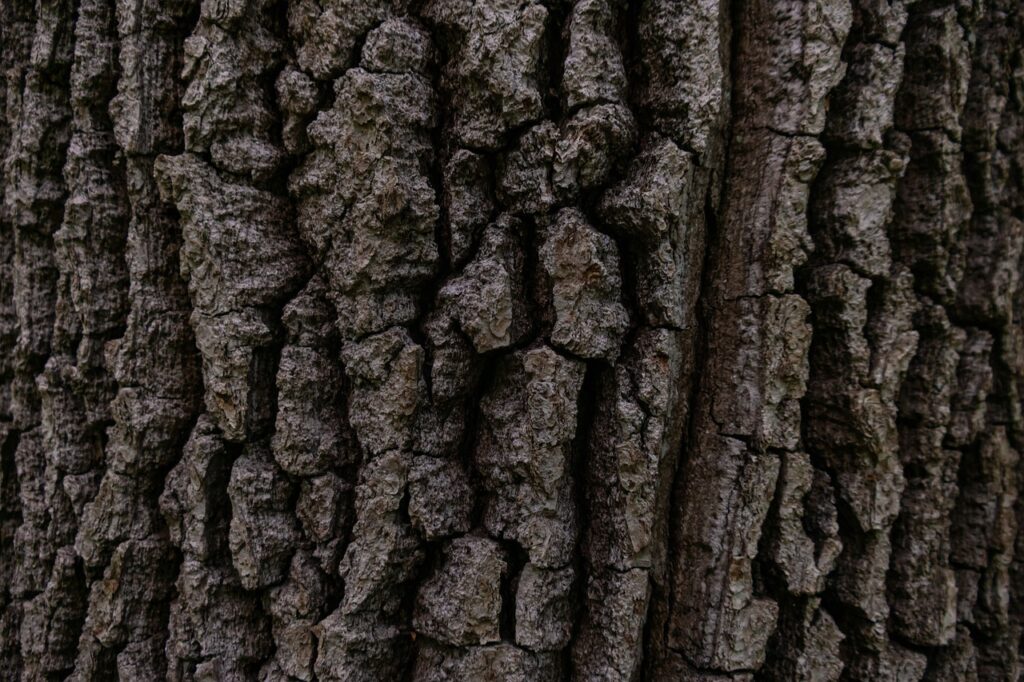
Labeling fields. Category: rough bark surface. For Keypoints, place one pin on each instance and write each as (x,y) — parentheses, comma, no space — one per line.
(511,340)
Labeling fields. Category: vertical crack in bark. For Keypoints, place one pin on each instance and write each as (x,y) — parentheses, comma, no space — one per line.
(985,410)
(244,261)
(863,341)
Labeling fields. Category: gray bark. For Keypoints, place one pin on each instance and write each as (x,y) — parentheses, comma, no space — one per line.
(511,340)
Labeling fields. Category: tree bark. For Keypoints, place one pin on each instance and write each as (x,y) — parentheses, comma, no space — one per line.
(511,340)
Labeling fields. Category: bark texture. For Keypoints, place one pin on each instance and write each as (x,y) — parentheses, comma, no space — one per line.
(526,340)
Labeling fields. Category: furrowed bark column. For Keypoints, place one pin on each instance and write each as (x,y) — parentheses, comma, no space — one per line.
(746,424)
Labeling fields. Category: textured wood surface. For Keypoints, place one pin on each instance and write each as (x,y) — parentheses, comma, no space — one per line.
(527,340)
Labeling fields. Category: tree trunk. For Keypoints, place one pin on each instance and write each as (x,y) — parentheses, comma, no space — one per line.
(511,340)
